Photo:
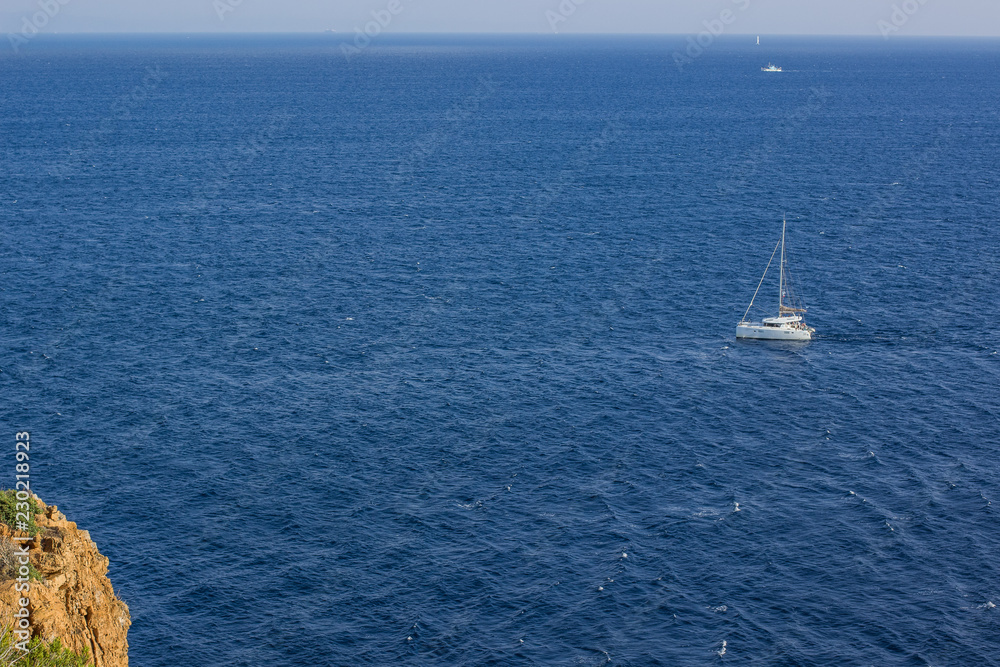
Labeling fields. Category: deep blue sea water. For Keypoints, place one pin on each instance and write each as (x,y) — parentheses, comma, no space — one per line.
(427,357)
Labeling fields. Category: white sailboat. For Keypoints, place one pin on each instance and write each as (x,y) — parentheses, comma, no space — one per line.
(788,325)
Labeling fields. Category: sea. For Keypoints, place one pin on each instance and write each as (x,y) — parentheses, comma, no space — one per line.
(424,353)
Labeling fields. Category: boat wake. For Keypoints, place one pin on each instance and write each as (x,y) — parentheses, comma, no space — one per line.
(866,338)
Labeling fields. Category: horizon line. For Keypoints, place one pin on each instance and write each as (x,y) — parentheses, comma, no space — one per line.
(541,33)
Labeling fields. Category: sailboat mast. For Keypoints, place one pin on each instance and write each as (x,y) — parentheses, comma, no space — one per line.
(781,279)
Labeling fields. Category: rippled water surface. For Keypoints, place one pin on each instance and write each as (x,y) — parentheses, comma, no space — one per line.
(427,356)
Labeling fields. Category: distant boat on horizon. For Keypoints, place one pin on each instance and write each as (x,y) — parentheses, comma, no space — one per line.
(770,68)
(788,325)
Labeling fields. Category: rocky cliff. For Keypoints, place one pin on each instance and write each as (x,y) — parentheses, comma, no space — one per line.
(74,601)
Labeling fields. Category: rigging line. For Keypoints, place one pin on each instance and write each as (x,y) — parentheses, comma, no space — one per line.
(761,282)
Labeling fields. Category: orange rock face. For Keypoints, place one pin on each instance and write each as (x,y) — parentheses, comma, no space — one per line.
(75,602)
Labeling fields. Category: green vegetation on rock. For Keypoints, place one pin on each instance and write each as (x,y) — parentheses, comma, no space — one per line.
(8,515)
(40,654)
(9,511)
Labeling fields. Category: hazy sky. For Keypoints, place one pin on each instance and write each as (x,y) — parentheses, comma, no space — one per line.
(856,17)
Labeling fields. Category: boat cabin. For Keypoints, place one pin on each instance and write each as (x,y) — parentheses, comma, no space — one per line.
(781,321)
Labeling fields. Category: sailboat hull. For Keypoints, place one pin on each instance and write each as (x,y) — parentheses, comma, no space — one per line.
(761,332)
